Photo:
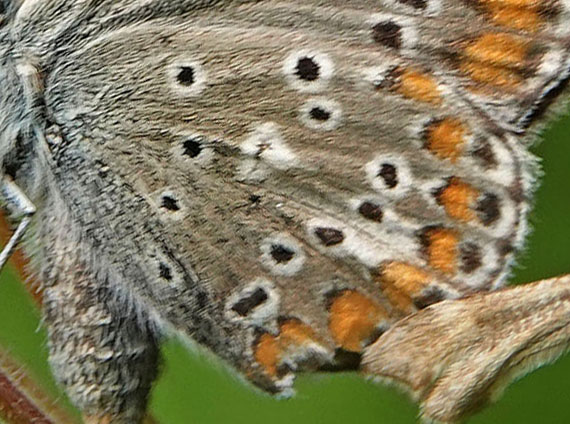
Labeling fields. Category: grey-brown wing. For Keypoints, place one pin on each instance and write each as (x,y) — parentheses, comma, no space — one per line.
(283,181)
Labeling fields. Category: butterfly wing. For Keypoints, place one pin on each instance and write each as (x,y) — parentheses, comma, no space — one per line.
(283,181)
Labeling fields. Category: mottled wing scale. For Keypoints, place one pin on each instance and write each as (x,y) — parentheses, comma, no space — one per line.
(307,174)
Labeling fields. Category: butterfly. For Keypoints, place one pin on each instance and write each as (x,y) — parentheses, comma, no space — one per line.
(294,187)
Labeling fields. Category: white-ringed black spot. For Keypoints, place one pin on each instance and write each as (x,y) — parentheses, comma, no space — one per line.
(483,152)
(416,4)
(254,198)
(255,305)
(169,202)
(329,236)
(389,174)
(371,211)
(186,76)
(488,209)
(388,33)
(307,69)
(250,301)
(164,267)
(193,150)
(192,147)
(164,271)
(281,253)
(471,258)
(505,247)
(319,114)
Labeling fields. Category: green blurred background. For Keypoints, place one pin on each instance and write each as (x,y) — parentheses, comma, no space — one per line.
(196,389)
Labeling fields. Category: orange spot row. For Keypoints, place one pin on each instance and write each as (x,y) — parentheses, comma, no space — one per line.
(458,198)
(267,353)
(498,49)
(354,320)
(418,86)
(401,282)
(489,74)
(270,350)
(441,247)
(445,138)
(496,59)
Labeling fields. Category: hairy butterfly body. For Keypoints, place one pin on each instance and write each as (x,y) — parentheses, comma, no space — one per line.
(280,182)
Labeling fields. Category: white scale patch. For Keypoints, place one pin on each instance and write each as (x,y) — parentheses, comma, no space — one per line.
(554,68)
(309,350)
(266,149)
(375,75)
(563,29)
